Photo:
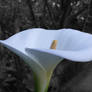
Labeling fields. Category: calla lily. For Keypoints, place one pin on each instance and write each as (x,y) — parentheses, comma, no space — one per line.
(33,46)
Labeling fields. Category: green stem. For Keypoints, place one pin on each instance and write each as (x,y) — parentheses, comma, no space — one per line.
(42,82)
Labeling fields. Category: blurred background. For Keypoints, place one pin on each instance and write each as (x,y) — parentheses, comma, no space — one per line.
(18,15)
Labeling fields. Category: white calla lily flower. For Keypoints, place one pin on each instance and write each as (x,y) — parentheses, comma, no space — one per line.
(33,46)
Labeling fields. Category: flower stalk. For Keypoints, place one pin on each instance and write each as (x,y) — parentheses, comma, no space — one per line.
(41,85)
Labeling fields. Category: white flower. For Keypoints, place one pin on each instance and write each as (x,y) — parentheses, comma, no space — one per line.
(33,46)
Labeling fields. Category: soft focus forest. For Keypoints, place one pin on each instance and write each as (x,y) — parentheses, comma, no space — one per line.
(18,15)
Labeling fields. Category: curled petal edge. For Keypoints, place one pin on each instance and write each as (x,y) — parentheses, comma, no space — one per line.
(76,56)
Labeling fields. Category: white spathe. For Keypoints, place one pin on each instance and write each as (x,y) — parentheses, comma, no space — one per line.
(33,46)
(33,38)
